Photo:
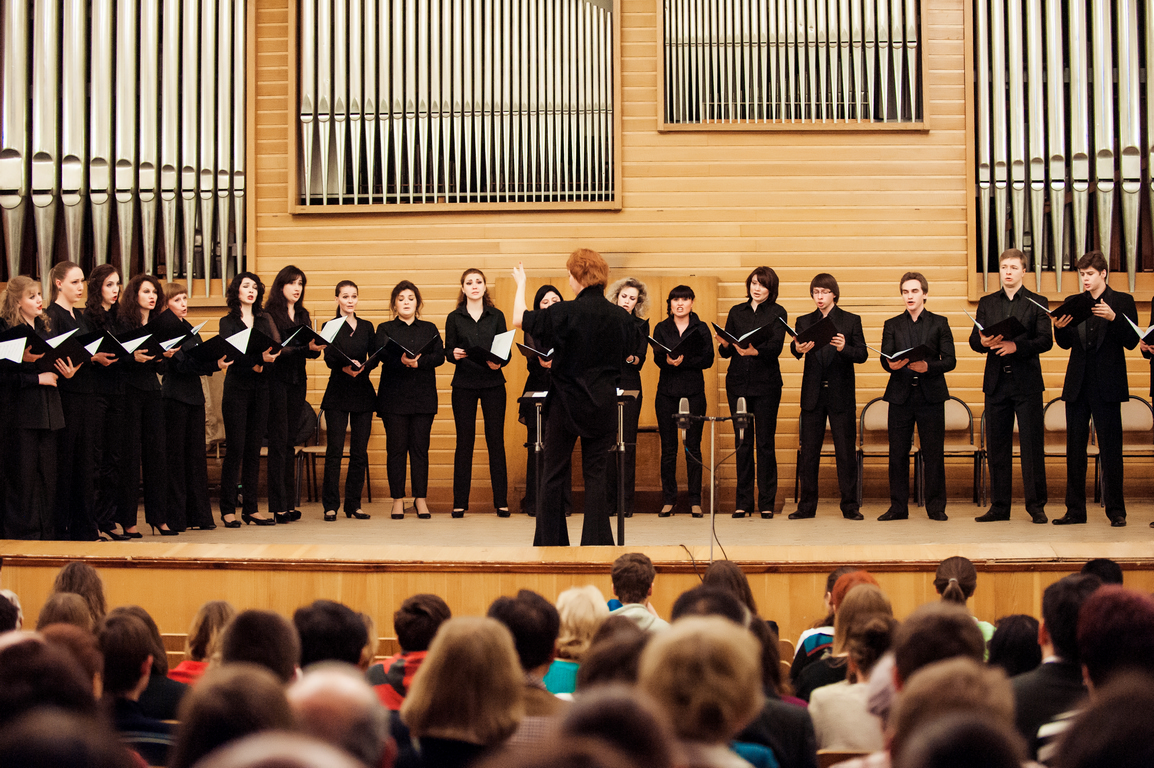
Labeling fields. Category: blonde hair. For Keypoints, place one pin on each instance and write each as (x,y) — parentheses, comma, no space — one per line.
(10,305)
(582,610)
(614,291)
(470,686)
(205,629)
(705,672)
(861,603)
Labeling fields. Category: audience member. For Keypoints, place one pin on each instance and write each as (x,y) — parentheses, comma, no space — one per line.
(1014,646)
(128,651)
(969,739)
(614,655)
(202,640)
(724,574)
(56,738)
(369,652)
(467,697)
(278,750)
(11,617)
(935,632)
(771,677)
(65,608)
(162,697)
(633,575)
(818,639)
(330,631)
(264,638)
(1115,731)
(229,703)
(35,674)
(82,579)
(840,712)
(956,580)
(333,703)
(1105,569)
(582,610)
(860,603)
(567,753)
(1115,634)
(84,649)
(626,719)
(416,623)
(709,601)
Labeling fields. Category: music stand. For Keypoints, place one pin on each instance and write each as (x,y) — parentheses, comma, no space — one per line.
(537,400)
(623,396)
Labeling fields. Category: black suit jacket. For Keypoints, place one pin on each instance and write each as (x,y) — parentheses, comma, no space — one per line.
(827,364)
(1042,694)
(1027,376)
(1110,358)
(897,337)
(1147,355)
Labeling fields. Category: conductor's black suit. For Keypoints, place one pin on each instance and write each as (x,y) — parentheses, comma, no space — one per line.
(828,390)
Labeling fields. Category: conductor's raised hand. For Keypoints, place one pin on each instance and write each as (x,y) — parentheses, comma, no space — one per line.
(269,356)
(519,274)
(675,361)
(838,342)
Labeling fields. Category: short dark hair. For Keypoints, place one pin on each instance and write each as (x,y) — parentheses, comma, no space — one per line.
(1012,253)
(709,601)
(159,654)
(38,674)
(264,638)
(1105,569)
(9,614)
(915,276)
(81,644)
(534,624)
(1093,260)
(725,574)
(232,293)
(1061,603)
(768,278)
(330,631)
(964,738)
(406,285)
(1014,646)
(678,292)
(614,658)
(1116,632)
(632,577)
(126,645)
(1114,730)
(935,632)
(418,619)
(53,738)
(828,282)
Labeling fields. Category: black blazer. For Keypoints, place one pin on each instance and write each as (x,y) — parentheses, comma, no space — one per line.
(1042,694)
(1110,354)
(404,390)
(829,365)
(239,375)
(761,373)
(37,406)
(685,380)
(461,330)
(290,366)
(631,372)
(182,374)
(1147,355)
(1027,370)
(351,394)
(63,322)
(142,376)
(108,380)
(897,336)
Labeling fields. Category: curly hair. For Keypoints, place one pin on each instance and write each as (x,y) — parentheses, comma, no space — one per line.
(94,310)
(485,298)
(232,296)
(641,309)
(130,309)
(277,304)
(10,305)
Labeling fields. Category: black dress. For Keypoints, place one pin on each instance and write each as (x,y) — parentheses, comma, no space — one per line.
(348,405)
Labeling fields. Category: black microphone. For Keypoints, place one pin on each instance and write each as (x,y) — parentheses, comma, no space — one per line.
(683,416)
(740,420)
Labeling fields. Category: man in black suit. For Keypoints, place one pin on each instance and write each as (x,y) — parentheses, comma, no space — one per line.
(1013,386)
(916,394)
(828,392)
(1056,685)
(1096,386)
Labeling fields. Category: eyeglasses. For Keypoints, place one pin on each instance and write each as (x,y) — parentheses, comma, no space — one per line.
(821,292)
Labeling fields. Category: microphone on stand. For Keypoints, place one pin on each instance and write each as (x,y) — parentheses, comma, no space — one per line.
(740,420)
(683,416)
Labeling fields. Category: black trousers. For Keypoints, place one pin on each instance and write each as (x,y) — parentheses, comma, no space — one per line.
(286,402)
(930,419)
(1001,408)
(1108,426)
(188,504)
(492,400)
(110,418)
(843,429)
(407,442)
(77,451)
(762,433)
(30,502)
(144,447)
(665,407)
(632,414)
(529,505)
(360,425)
(561,435)
(245,415)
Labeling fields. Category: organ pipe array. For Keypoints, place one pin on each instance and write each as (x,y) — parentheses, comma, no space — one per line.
(1051,127)
(791,61)
(455,101)
(130,111)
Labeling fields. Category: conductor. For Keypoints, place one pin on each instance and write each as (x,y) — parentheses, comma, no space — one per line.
(590,338)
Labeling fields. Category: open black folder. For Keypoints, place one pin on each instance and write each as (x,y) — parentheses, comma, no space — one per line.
(1009,329)
(820,333)
(399,350)
(746,340)
(1079,306)
(60,347)
(690,344)
(245,348)
(13,342)
(530,352)
(498,352)
(913,354)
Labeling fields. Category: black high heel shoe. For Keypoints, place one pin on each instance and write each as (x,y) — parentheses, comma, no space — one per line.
(233,523)
(330,515)
(458,513)
(113,535)
(502,511)
(133,534)
(256,520)
(358,515)
(163,531)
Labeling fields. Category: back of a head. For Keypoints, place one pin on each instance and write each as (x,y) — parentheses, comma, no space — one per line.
(14,599)
(964,740)
(66,608)
(264,638)
(1014,646)
(126,644)
(632,575)
(207,625)
(470,686)
(860,604)
(1061,605)
(159,654)
(329,631)
(723,574)
(9,615)
(1116,633)
(626,719)
(55,738)
(581,610)
(534,623)
(1105,569)
(868,640)
(958,685)
(227,704)
(418,619)
(334,703)
(34,674)
(81,645)
(615,658)
(705,673)
(582,752)
(279,750)
(709,601)
(845,584)
(956,579)
(934,632)
(1115,730)
(82,579)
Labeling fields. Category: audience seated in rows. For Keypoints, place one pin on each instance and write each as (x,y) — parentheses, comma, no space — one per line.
(264,638)
(955,580)
(65,608)
(78,577)
(416,623)
(11,613)
(963,739)
(632,576)
(857,599)
(626,719)
(330,631)
(202,640)
(1116,730)
(1108,571)
(333,702)
(128,652)
(49,737)
(816,641)
(278,750)
(161,698)
(84,649)
(613,655)
(582,610)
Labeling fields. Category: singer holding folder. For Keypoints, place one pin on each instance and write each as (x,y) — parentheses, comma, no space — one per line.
(591,339)
(828,391)
(630,294)
(474,323)
(917,394)
(1013,386)
(755,374)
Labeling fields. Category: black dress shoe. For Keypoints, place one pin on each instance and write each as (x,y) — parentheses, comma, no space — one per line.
(767,515)
(294,515)
(739,513)
(1118,522)
(1039,518)
(939,516)
(282,518)
(503,512)
(992,517)
(1068,519)
(458,513)
(799,515)
(893,515)
(854,515)
(114,536)
(234,523)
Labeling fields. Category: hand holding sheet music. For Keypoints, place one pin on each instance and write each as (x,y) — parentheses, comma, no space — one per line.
(816,336)
(498,352)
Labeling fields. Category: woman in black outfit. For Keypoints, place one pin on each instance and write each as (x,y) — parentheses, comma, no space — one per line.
(183,398)
(475,322)
(538,380)
(144,441)
(244,404)
(348,404)
(407,397)
(754,374)
(630,294)
(287,388)
(680,377)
